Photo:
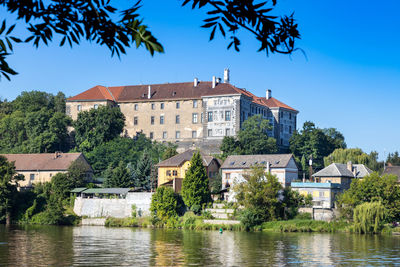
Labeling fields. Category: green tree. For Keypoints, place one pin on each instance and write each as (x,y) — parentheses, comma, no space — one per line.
(165,204)
(393,158)
(98,126)
(355,155)
(195,187)
(372,188)
(368,218)
(169,152)
(125,149)
(98,22)
(118,176)
(259,195)
(77,173)
(315,142)
(8,188)
(143,171)
(251,139)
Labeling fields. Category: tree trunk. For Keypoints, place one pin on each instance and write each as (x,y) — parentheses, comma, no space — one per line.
(8,218)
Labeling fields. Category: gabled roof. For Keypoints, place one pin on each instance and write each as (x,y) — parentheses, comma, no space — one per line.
(169,91)
(246,161)
(340,170)
(395,170)
(181,158)
(43,161)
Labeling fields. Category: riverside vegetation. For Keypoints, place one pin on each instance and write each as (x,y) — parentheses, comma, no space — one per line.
(35,122)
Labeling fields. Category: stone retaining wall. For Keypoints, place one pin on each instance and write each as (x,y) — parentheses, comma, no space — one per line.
(118,208)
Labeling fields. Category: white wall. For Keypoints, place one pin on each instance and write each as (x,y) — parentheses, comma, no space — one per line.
(119,208)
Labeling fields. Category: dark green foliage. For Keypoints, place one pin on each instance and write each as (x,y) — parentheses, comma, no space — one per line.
(251,139)
(264,199)
(195,187)
(275,34)
(315,142)
(165,204)
(372,188)
(142,173)
(118,176)
(125,149)
(216,184)
(169,152)
(98,126)
(77,173)
(368,217)
(71,21)
(356,156)
(34,123)
(8,189)
(393,158)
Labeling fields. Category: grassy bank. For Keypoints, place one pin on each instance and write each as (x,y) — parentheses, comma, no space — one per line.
(305,226)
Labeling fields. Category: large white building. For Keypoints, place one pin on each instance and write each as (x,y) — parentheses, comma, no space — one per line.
(193,113)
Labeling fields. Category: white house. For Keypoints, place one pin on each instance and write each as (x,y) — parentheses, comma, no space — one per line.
(283,166)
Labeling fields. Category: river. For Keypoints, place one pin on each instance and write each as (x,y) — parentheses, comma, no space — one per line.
(101,246)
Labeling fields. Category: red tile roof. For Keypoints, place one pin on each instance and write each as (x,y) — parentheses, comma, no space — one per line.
(42,161)
(170,91)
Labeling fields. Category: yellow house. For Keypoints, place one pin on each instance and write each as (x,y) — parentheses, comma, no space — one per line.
(171,172)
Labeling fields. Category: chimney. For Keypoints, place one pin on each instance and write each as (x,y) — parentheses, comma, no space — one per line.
(268,95)
(149,92)
(226,75)
(195,82)
(268,169)
(214,81)
(350,166)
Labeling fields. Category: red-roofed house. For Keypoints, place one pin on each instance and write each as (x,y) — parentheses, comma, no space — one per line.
(191,114)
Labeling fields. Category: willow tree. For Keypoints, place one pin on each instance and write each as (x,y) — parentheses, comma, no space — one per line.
(368,217)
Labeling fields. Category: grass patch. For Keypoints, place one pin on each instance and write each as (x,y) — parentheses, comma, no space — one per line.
(298,225)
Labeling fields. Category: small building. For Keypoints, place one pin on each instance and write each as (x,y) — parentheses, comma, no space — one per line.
(281,165)
(40,168)
(171,172)
(342,174)
(323,194)
(393,170)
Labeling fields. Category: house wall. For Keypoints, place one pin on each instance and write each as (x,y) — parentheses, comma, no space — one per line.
(181,171)
(71,107)
(40,177)
(118,208)
(144,113)
(322,197)
(343,181)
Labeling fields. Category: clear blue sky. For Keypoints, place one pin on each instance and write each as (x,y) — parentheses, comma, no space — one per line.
(350,79)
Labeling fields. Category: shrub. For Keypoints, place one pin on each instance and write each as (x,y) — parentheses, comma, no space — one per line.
(251,218)
(165,204)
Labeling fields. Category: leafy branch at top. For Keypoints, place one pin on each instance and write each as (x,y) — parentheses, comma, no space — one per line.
(275,34)
(75,20)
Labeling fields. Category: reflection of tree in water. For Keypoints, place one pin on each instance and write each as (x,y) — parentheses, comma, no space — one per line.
(39,246)
(166,248)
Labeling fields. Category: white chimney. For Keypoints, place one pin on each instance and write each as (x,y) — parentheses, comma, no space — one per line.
(149,92)
(226,75)
(195,82)
(214,81)
(268,95)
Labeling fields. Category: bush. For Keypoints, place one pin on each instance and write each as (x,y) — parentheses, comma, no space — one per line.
(303,216)
(251,218)
(165,204)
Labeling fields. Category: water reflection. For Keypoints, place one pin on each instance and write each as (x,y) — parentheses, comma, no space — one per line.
(100,246)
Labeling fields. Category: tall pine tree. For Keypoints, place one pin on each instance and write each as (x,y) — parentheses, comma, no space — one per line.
(142,174)
(195,190)
(117,177)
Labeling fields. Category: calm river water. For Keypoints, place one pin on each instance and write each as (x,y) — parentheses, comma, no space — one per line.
(100,246)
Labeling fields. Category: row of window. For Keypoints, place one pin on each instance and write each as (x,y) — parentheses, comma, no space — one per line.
(195,118)
(194,134)
(177,135)
(79,107)
(169,172)
(162,105)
